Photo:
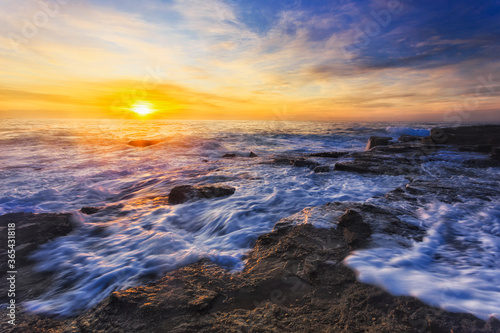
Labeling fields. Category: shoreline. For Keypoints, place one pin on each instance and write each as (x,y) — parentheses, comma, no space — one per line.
(295,277)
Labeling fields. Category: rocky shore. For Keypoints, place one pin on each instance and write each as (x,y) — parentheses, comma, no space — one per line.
(295,279)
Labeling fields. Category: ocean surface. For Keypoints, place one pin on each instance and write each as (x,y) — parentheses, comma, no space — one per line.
(64,165)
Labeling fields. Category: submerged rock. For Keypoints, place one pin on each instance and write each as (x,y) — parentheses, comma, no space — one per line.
(183,193)
(143,143)
(229,156)
(377,141)
(252,154)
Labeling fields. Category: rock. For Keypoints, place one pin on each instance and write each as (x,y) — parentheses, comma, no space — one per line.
(467,135)
(32,230)
(476,148)
(183,193)
(143,143)
(252,154)
(354,229)
(322,169)
(410,138)
(303,163)
(229,156)
(495,153)
(377,141)
(333,154)
(90,210)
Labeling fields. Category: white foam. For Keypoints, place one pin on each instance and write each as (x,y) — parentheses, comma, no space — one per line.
(456,267)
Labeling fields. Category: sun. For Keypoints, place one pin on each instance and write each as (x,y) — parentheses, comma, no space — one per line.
(142,108)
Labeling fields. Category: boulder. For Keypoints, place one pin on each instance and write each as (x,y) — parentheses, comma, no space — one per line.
(229,156)
(143,143)
(183,193)
(322,169)
(252,154)
(377,141)
(354,229)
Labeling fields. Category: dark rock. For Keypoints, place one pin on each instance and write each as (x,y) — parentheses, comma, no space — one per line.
(476,148)
(322,169)
(377,141)
(495,153)
(354,229)
(32,230)
(204,161)
(229,156)
(410,138)
(90,210)
(143,143)
(333,154)
(302,163)
(467,135)
(252,154)
(183,193)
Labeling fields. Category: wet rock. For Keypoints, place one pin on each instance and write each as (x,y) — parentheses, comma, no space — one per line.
(333,154)
(90,210)
(143,143)
(377,141)
(476,148)
(322,169)
(354,229)
(410,138)
(183,193)
(495,153)
(467,135)
(303,163)
(229,156)
(31,231)
(252,154)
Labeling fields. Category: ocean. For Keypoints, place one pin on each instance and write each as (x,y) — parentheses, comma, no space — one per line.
(64,165)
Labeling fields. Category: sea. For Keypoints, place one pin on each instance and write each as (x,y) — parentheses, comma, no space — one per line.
(61,166)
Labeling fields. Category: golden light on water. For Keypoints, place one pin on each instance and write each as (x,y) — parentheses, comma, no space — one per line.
(142,108)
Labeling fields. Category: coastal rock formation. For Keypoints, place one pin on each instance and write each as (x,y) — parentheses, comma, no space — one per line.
(143,143)
(377,141)
(294,281)
(183,193)
(31,231)
(467,135)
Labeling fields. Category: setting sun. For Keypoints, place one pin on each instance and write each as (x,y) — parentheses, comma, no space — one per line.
(142,108)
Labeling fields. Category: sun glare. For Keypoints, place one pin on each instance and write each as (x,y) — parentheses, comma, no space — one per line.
(142,108)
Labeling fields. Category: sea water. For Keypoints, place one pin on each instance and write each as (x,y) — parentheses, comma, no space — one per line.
(63,165)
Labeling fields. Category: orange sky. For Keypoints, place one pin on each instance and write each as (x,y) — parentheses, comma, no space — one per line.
(199,60)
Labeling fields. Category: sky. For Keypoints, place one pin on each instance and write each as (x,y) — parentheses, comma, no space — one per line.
(337,60)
